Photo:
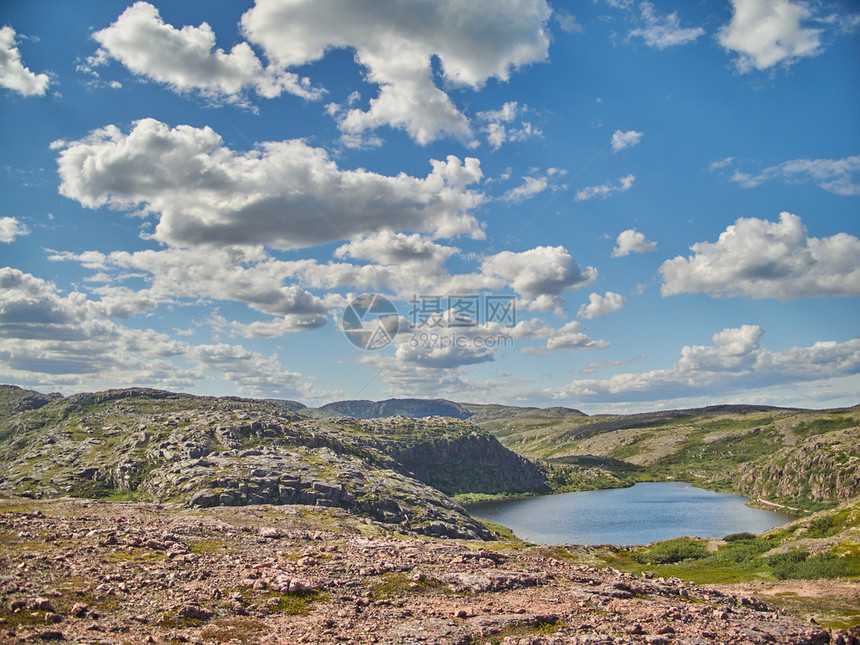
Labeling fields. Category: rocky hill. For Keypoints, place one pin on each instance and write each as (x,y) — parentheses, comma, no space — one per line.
(201,451)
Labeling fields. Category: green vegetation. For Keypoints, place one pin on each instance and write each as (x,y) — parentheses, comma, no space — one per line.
(543,626)
(798,565)
(672,551)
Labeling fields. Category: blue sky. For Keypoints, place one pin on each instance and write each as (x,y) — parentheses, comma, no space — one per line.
(615,205)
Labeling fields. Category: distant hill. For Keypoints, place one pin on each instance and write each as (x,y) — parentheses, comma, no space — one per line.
(411,408)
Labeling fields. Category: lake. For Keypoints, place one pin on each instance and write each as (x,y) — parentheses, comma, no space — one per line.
(640,514)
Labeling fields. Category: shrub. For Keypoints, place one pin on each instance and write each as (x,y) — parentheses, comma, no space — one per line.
(797,565)
(670,551)
(742,551)
(735,537)
(820,527)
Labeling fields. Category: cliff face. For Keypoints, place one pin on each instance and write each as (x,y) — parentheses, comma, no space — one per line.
(477,463)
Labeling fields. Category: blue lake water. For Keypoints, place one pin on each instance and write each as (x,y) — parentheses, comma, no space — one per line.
(641,514)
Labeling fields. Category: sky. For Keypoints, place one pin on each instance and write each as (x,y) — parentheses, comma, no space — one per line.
(610,205)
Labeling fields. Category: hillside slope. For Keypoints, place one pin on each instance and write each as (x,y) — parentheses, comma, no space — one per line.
(800,458)
(200,451)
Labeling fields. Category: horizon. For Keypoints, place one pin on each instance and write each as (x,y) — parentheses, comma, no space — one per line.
(621,206)
(465,403)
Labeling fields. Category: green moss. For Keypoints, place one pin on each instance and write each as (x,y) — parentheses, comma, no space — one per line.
(296,603)
(523,632)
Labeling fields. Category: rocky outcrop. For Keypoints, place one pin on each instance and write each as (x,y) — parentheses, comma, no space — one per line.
(203,451)
(476,463)
(820,468)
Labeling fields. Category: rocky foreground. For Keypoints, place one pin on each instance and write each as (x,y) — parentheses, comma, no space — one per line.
(84,571)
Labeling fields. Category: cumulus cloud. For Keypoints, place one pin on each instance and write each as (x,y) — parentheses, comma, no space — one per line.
(605,190)
(176,276)
(396,43)
(545,271)
(765,33)
(599,306)
(500,128)
(13,74)
(759,259)
(530,187)
(621,140)
(735,362)
(387,247)
(661,32)
(186,59)
(284,194)
(632,241)
(10,228)
(59,341)
(839,176)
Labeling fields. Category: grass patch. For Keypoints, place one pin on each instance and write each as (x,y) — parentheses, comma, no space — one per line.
(536,628)
(394,585)
(236,629)
(295,603)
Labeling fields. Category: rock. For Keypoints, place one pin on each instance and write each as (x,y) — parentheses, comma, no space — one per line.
(195,612)
(42,604)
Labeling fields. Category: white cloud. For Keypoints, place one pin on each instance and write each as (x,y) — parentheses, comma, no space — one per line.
(530,187)
(717,165)
(837,176)
(759,259)
(13,74)
(661,32)
(605,190)
(599,306)
(390,248)
(765,33)
(284,194)
(175,276)
(184,58)
(734,363)
(621,140)
(51,340)
(542,271)
(499,130)
(567,22)
(631,241)
(10,228)
(596,365)
(396,42)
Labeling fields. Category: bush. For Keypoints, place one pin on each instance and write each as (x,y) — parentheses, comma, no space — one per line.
(670,551)
(736,537)
(820,527)
(797,565)
(742,551)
